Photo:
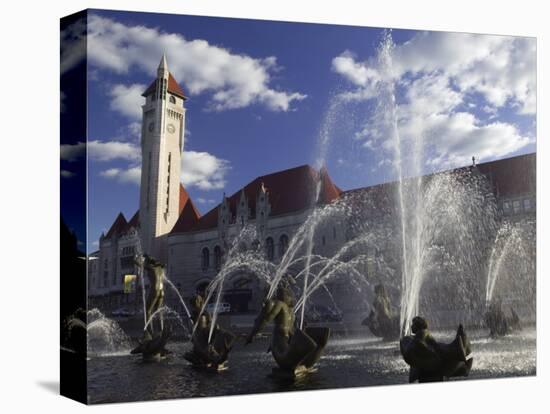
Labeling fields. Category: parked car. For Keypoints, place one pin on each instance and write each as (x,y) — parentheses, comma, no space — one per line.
(223,307)
(322,313)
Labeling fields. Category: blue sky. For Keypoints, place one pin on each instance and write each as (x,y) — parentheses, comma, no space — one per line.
(266,96)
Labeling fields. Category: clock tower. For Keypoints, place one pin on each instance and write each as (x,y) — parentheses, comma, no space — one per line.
(162,129)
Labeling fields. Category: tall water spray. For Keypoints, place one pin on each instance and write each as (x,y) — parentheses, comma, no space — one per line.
(444,219)
(511,270)
(242,256)
(408,206)
(325,137)
(141,268)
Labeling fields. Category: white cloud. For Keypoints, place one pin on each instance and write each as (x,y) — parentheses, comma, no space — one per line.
(436,77)
(129,175)
(198,169)
(67,174)
(73,45)
(501,68)
(127,100)
(459,136)
(233,80)
(101,151)
(202,200)
(357,73)
(111,150)
(134,130)
(203,170)
(71,152)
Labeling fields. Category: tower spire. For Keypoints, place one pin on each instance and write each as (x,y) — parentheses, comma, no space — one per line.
(162,70)
(163,64)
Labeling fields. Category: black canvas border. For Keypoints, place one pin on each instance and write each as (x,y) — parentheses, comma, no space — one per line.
(73,203)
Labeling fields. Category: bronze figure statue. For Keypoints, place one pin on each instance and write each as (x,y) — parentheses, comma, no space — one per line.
(208,355)
(382,321)
(155,299)
(498,322)
(295,351)
(152,345)
(430,360)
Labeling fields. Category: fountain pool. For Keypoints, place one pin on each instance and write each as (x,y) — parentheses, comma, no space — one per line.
(347,362)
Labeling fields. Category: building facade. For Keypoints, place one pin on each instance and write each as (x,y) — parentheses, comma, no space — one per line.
(194,247)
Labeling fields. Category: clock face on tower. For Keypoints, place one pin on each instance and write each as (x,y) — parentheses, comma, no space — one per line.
(151,126)
(171,128)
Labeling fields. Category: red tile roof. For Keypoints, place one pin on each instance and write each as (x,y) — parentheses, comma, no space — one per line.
(328,191)
(188,213)
(134,221)
(293,190)
(512,176)
(508,177)
(173,87)
(118,227)
(289,191)
(188,218)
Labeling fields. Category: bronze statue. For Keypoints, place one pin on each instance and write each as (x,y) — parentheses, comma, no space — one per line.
(155,299)
(294,350)
(381,321)
(213,355)
(152,345)
(430,360)
(498,323)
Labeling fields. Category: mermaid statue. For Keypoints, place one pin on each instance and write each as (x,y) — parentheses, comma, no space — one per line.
(498,322)
(295,350)
(153,344)
(432,361)
(382,321)
(208,355)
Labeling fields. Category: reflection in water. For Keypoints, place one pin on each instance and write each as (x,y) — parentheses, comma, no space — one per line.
(347,363)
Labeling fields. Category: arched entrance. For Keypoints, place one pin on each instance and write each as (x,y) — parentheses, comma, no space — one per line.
(239,293)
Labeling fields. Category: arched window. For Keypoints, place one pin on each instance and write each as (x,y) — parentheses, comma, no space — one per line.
(172,99)
(269,248)
(217,257)
(283,244)
(205,258)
